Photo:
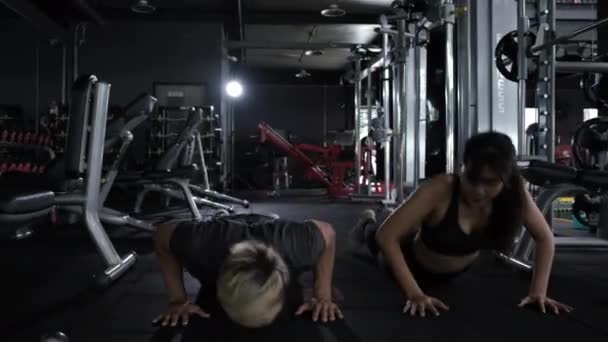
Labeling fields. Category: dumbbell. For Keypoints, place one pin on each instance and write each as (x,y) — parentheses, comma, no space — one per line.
(41,169)
(34,139)
(12,136)
(40,139)
(3,167)
(4,136)
(47,140)
(27,167)
(12,167)
(34,168)
(26,137)
(19,137)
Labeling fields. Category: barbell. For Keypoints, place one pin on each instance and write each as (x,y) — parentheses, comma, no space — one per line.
(506,52)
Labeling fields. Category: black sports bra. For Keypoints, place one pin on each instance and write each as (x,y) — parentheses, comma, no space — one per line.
(447,237)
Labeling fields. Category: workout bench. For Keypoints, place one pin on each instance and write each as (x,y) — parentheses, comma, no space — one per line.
(27,199)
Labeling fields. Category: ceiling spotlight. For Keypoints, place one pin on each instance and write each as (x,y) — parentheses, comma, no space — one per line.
(302,74)
(314,52)
(142,7)
(333,11)
(234,89)
(374,49)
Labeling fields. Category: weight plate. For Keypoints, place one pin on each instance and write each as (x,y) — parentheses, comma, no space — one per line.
(506,56)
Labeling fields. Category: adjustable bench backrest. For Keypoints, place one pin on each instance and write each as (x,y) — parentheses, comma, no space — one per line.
(135,113)
(139,110)
(169,159)
(80,110)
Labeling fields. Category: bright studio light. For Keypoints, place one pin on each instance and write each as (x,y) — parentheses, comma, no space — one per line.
(234,89)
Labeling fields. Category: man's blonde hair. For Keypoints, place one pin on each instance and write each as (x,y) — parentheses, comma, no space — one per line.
(252,283)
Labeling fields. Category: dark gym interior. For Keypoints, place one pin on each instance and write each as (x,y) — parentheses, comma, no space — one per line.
(118,116)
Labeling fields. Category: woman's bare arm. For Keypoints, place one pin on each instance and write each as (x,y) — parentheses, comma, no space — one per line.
(405,221)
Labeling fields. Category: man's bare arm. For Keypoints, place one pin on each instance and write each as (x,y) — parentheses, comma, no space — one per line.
(170,266)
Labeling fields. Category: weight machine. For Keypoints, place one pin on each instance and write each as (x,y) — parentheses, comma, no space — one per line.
(520,56)
(402,128)
(524,55)
(327,169)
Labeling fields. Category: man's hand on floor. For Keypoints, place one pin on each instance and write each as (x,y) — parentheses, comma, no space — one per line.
(177,311)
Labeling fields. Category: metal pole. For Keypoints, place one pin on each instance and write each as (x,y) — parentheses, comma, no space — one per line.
(396,126)
(419,89)
(37,90)
(232,139)
(368,158)
(386,85)
(358,124)
(324,115)
(64,74)
(400,81)
(522,27)
(450,113)
(545,90)
(421,113)
(410,112)
(201,152)
(241,28)
(567,37)
(75,53)
(95,162)
(465,112)
(551,60)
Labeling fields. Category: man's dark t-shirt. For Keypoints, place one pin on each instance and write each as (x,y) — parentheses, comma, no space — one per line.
(202,247)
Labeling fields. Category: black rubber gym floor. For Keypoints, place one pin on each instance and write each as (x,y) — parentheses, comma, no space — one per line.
(46,287)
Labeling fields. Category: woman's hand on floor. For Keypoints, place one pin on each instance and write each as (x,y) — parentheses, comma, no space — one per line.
(324,309)
(422,303)
(544,303)
(177,311)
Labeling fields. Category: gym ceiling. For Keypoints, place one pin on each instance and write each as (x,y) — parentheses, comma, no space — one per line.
(277,22)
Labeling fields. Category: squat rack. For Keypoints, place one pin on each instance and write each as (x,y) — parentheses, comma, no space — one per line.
(521,253)
(545,49)
(403,65)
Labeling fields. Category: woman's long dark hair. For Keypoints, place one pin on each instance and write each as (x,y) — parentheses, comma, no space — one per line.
(495,152)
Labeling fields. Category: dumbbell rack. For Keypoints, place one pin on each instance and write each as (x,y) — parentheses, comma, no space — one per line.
(22,151)
(168,122)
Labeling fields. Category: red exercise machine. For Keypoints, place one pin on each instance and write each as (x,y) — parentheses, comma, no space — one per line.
(327,158)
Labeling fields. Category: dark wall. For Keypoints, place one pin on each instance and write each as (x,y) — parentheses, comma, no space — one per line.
(22,46)
(129,55)
(298,109)
(134,55)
